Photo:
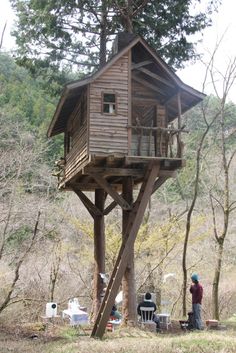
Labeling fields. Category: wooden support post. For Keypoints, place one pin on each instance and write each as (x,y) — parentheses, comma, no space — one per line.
(129,305)
(179,148)
(156,132)
(99,251)
(135,220)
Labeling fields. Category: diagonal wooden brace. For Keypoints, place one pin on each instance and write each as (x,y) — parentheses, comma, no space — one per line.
(92,209)
(113,193)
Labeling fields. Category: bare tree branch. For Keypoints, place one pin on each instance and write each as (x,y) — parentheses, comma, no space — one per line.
(2,35)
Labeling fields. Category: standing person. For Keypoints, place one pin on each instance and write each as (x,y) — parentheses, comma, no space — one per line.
(150,304)
(196,290)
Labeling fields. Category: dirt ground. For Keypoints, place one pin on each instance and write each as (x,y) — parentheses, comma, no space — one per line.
(51,331)
(41,338)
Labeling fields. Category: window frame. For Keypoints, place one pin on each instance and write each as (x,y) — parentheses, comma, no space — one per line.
(109,103)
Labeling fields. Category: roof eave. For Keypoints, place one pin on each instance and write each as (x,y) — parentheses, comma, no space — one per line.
(64,95)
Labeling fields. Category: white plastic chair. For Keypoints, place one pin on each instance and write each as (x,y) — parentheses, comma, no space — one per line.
(165,321)
(147,316)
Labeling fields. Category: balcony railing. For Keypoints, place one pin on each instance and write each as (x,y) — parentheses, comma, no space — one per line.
(156,142)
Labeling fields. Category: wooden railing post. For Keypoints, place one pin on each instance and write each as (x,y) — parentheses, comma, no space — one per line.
(179,143)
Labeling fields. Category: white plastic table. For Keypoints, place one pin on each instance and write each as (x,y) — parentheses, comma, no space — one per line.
(76,317)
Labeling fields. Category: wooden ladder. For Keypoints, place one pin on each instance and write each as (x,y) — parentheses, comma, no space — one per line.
(134,222)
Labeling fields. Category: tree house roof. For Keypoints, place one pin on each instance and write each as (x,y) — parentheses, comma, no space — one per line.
(147,68)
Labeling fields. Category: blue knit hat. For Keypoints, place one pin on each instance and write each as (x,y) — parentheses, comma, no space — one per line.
(195,277)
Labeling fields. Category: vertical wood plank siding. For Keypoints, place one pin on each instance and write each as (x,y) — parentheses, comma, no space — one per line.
(161,122)
(77,125)
(109,133)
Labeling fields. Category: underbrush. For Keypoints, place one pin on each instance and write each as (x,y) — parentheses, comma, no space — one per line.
(64,339)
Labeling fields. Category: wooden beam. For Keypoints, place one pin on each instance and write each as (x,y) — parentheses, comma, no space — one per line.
(106,171)
(92,186)
(110,160)
(179,143)
(92,209)
(129,304)
(168,173)
(170,99)
(143,63)
(137,159)
(159,182)
(156,77)
(171,103)
(157,128)
(149,85)
(109,208)
(109,189)
(99,251)
(179,109)
(144,100)
(129,101)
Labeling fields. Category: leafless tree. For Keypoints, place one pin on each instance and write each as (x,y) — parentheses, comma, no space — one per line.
(18,265)
(222,199)
(209,121)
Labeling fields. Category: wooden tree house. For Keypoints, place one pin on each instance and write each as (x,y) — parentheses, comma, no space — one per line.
(118,133)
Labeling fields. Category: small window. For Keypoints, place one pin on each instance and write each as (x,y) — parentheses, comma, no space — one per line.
(109,103)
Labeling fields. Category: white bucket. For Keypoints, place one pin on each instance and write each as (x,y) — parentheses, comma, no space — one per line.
(51,309)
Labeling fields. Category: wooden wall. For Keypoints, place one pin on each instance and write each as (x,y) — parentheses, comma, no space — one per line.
(108,133)
(77,127)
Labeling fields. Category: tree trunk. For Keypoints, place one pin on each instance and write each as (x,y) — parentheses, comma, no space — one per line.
(129,305)
(99,252)
(103,35)
(190,212)
(127,17)
(184,260)
(215,286)
(159,288)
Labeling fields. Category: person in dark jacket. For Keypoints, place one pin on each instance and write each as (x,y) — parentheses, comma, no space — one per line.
(196,290)
(150,304)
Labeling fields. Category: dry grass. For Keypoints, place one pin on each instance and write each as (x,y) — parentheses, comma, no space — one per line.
(67,340)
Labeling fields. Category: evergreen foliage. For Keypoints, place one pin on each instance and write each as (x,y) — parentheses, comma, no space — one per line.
(23,100)
(54,33)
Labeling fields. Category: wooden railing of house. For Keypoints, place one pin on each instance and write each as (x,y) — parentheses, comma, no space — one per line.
(156,142)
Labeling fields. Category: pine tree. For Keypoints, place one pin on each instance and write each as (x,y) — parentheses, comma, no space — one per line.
(58,32)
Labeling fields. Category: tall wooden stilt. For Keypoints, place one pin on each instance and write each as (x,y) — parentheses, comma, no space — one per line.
(128,282)
(135,220)
(99,251)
